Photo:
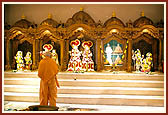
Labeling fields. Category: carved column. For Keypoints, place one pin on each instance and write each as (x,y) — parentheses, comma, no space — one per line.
(67,52)
(34,56)
(129,55)
(37,52)
(7,66)
(160,54)
(154,48)
(41,47)
(15,44)
(98,54)
(62,54)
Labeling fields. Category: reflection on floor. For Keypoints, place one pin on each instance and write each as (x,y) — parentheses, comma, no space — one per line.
(23,106)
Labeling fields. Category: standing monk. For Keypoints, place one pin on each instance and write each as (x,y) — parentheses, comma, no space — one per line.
(47,71)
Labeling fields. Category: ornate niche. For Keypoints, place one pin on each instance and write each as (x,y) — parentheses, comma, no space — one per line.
(81,36)
(146,39)
(114,45)
(46,35)
(114,48)
(146,43)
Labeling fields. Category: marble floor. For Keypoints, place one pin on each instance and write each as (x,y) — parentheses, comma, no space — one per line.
(18,107)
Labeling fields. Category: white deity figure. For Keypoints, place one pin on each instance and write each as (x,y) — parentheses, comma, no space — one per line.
(28,60)
(46,47)
(87,62)
(55,56)
(74,64)
(109,51)
(19,60)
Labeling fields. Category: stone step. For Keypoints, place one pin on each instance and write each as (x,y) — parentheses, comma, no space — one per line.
(92,75)
(89,90)
(88,83)
(130,100)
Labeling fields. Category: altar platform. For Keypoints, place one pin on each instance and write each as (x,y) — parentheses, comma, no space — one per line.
(91,88)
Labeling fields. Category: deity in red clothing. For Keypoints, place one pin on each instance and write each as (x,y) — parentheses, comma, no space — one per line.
(74,64)
(87,62)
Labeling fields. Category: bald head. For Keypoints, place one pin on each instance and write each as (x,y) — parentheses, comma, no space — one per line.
(47,54)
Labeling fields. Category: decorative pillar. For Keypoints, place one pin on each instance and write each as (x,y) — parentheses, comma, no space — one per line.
(160,55)
(98,55)
(15,44)
(37,52)
(67,52)
(62,54)
(7,66)
(41,47)
(34,55)
(129,55)
(154,48)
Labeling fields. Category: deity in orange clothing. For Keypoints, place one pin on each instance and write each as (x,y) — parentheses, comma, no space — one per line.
(47,71)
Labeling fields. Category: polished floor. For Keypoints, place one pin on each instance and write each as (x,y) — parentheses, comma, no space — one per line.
(16,107)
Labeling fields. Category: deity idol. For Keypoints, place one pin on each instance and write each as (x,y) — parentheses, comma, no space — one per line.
(149,60)
(28,60)
(87,62)
(19,60)
(109,51)
(145,66)
(118,49)
(46,47)
(138,59)
(74,64)
(55,56)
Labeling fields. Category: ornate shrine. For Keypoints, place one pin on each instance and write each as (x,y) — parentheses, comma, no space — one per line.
(121,39)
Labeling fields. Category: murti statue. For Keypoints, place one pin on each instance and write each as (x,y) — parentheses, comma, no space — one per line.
(55,56)
(109,51)
(118,49)
(28,60)
(19,60)
(87,62)
(145,66)
(149,61)
(138,60)
(74,64)
(46,47)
